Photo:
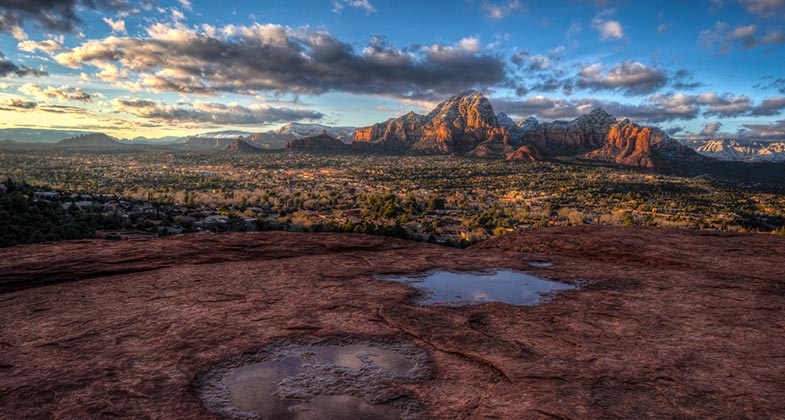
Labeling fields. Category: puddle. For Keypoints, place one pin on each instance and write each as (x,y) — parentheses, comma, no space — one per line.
(540,264)
(341,378)
(448,288)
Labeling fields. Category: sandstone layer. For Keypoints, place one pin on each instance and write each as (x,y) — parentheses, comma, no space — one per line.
(666,324)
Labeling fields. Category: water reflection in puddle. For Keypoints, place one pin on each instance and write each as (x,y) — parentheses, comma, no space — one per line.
(322,381)
(448,288)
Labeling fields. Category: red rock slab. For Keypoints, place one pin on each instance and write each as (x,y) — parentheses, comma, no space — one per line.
(668,324)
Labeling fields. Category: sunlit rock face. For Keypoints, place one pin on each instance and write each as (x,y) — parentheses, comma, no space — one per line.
(466,124)
(457,125)
(582,134)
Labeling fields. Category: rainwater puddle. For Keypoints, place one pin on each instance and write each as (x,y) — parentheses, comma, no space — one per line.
(456,289)
(342,380)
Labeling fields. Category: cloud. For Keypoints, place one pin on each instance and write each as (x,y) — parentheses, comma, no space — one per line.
(608,29)
(771,131)
(724,105)
(55,15)
(61,94)
(629,77)
(270,57)
(212,112)
(48,46)
(501,10)
(711,128)
(765,8)
(533,62)
(118,26)
(8,68)
(653,111)
(723,38)
(16,104)
(339,5)
(770,106)
(470,44)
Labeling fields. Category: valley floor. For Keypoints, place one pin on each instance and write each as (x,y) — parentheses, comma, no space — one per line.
(666,324)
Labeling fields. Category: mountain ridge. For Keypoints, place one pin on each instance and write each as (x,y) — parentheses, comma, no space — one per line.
(466,124)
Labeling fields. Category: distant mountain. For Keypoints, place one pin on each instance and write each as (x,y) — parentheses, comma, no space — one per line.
(90,140)
(241,146)
(154,140)
(208,143)
(323,143)
(273,139)
(30,135)
(739,150)
(227,134)
(465,124)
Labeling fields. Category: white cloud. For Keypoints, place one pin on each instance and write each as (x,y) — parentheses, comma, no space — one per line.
(118,26)
(609,29)
(339,5)
(46,46)
(186,4)
(501,11)
(470,44)
(18,33)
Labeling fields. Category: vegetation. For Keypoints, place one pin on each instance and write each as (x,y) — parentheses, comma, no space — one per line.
(26,220)
(446,199)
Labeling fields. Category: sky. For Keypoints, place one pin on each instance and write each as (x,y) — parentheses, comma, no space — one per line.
(707,68)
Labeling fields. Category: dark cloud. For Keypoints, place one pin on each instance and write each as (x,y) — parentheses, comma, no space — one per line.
(765,8)
(631,78)
(280,59)
(722,37)
(547,108)
(8,68)
(774,131)
(672,131)
(62,93)
(17,104)
(711,129)
(724,105)
(212,112)
(54,15)
(770,106)
(682,79)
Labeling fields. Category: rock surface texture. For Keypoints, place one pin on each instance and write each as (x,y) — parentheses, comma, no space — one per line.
(666,324)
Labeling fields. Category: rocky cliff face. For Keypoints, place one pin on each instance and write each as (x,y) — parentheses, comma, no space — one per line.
(322,143)
(457,125)
(467,125)
(241,146)
(648,147)
(580,135)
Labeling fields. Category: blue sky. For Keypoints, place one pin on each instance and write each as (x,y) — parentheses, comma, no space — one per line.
(157,67)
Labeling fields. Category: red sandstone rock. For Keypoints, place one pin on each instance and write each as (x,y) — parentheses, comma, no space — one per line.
(669,324)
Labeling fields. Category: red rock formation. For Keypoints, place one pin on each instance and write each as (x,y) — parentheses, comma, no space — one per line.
(242,146)
(526,154)
(627,144)
(457,125)
(320,143)
(667,323)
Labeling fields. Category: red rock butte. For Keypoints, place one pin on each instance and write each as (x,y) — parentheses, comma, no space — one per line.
(665,324)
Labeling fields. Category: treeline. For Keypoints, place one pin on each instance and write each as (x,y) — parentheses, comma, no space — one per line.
(24,220)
